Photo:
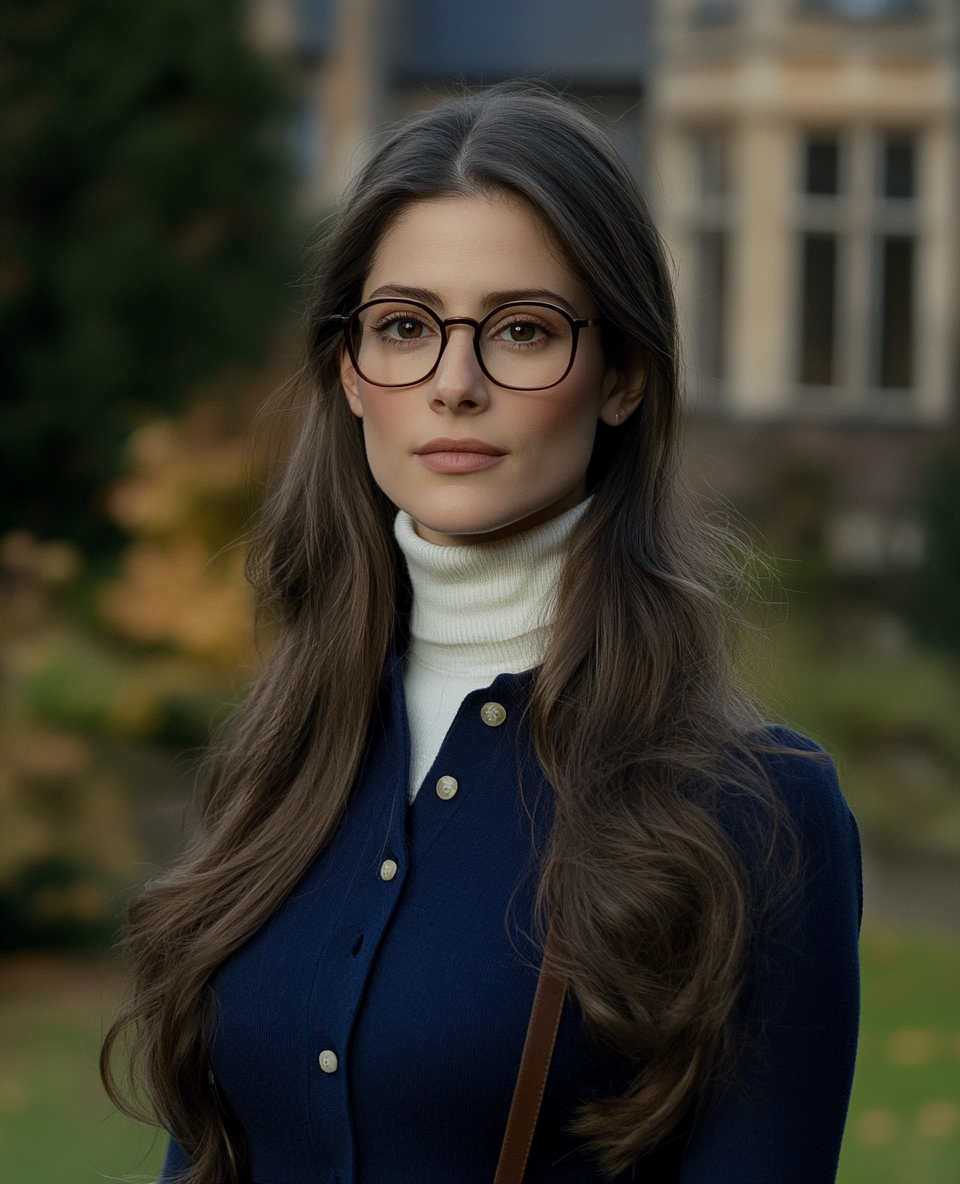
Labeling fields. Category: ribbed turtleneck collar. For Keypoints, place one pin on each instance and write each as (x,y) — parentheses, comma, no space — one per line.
(485,604)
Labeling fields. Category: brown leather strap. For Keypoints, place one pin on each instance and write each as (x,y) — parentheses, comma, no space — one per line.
(534,1067)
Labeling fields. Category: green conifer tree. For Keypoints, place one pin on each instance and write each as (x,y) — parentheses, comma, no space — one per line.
(145,236)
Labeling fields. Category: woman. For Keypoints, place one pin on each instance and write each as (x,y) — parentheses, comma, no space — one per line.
(498,700)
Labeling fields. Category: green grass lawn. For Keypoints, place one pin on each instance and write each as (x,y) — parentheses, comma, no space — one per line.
(904,1125)
(56,1127)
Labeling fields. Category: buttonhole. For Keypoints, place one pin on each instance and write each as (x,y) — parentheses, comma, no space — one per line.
(357,944)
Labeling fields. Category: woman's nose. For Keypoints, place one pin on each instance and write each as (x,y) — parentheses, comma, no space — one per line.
(459,384)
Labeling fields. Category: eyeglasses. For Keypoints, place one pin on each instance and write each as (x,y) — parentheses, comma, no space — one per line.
(524,346)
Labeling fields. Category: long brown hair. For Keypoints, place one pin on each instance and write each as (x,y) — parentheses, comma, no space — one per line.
(634,711)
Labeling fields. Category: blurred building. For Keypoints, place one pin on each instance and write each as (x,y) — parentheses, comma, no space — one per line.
(805,157)
(802,158)
(364,64)
(805,171)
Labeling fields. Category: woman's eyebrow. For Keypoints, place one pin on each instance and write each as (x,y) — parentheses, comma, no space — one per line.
(490,300)
(424,295)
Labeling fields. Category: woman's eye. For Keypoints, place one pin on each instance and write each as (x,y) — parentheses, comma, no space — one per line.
(408,329)
(520,332)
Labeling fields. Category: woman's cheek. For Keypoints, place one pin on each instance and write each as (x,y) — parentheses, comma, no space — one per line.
(561,430)
(385,440)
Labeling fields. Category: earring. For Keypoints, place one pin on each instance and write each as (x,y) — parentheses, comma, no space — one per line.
(616,418)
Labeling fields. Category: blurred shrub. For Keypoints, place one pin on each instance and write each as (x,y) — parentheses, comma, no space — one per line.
(865,661)
(932,602)
(887,711)
(144,233)
(173,645)
(176,623)
(187,503)
(66,841)
(174,642)
(793,521)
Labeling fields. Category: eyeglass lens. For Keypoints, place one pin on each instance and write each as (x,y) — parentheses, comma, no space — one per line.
(527,346)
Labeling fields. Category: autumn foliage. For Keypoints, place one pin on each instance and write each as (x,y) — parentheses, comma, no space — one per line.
(186,504)
(66,839)
(158,656)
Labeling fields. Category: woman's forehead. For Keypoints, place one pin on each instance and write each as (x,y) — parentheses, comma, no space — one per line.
(467,250)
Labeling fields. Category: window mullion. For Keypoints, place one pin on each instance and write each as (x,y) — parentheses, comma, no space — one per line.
(856,304)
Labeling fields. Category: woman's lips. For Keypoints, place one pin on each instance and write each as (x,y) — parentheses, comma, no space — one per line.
(458,462)
(459,456)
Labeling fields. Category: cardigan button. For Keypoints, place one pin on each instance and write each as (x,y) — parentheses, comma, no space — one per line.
(447,787)
(328,1061)
(493,714)
(388,869)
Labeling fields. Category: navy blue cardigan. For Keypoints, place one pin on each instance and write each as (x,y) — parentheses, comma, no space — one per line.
(421,985)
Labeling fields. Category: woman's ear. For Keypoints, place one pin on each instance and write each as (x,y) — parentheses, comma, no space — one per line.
(623,388)
(351,387)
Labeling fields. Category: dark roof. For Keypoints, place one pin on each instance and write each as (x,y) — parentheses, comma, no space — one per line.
(314,27)
(571,42)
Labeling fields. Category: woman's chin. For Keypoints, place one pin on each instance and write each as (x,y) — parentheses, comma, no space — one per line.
(479,526)
(458,531)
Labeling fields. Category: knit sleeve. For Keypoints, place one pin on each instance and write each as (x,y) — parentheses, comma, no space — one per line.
(782,1116)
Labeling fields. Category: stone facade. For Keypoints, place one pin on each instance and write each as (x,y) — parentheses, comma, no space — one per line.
(804,169)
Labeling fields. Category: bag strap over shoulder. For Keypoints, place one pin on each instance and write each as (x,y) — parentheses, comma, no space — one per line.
(534,1067)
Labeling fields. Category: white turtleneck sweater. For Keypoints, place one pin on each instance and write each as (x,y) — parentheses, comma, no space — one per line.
(478,611)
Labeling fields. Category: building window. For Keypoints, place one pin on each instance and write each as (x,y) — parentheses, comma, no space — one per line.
(857,263)
(714,12)
(712,165)
(895,354)
(862,10)
(711,271)
(822,188)
(305,140)
(895,264)
(822,167)
(709,242)
(818,338)
(898,167)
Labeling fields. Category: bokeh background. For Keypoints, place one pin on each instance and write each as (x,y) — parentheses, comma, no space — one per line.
(164,167)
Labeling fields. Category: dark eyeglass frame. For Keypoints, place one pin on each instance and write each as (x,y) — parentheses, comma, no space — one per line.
(348,322)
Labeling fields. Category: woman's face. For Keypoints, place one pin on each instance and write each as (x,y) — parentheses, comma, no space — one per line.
(467,459)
